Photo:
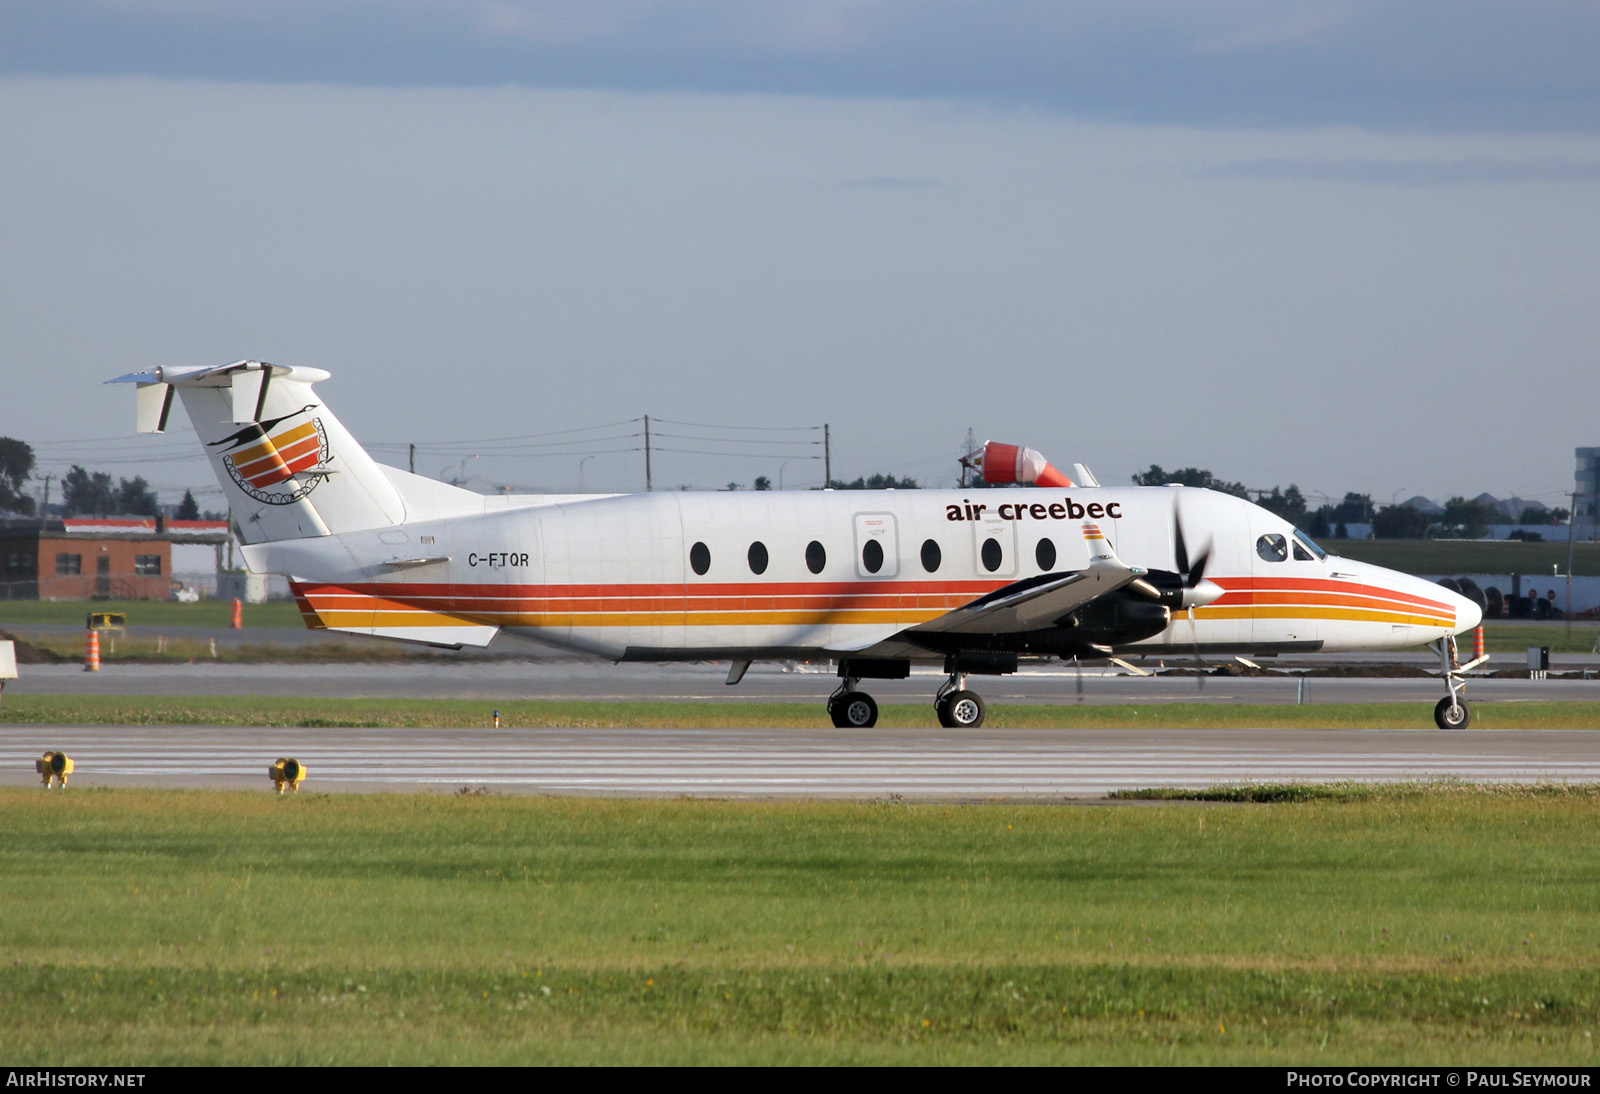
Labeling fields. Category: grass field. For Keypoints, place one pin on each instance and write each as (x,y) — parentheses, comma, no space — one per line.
(1444,925)
(152,613)
(469,714)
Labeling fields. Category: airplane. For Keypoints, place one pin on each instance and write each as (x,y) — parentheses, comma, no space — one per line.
(874,581)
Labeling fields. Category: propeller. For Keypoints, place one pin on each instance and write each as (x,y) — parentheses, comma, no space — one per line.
(1193,576)
(1196,589)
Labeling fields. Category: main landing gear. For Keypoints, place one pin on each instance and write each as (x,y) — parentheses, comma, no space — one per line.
(957,707)
(1452,711)
(852,709)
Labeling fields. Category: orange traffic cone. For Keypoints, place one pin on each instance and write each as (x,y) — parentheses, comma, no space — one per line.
(238,614)
(91,660)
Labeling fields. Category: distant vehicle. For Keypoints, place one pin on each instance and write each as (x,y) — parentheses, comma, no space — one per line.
(872,580)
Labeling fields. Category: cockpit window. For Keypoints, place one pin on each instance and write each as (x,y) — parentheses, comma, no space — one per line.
(1272,547)
(1303,540)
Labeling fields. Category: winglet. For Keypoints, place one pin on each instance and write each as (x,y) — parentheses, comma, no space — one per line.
(1101,554)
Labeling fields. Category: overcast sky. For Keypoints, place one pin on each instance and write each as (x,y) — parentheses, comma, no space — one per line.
(1353,246)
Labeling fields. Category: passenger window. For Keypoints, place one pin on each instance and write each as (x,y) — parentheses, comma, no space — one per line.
(700,558)
(931,555)
(872,556)
(816,557)
(992,555)
(1045,555)
(758,557)
(1272,547)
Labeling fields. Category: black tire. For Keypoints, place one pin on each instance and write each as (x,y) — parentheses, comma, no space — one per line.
(1447,718)
(961,710)
(853,710)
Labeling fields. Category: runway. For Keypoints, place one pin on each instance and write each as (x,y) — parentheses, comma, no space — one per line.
(946,765)
(493,681)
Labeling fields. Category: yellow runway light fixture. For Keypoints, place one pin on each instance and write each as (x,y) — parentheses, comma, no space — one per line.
(54,765)
(287,774)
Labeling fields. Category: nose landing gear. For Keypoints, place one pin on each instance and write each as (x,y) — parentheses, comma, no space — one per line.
(1452,711)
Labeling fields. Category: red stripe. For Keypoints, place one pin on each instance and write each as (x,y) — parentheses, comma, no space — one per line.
(1328,585)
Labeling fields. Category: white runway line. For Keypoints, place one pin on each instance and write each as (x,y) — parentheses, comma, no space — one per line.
(758,763)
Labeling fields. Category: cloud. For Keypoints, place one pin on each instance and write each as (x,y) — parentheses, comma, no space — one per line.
(1419,172)
(1435,65)
(892,182)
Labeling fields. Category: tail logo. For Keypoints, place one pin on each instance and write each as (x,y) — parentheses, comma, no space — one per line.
(264,463)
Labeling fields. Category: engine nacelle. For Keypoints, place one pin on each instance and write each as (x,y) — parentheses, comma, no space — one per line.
(1116,620)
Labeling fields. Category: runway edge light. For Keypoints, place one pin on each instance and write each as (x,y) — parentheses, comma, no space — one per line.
(287,772)
(54,765)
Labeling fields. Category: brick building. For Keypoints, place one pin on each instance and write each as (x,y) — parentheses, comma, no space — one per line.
(81,558)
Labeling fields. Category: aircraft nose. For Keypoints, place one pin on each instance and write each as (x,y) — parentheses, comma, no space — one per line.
(1468,614)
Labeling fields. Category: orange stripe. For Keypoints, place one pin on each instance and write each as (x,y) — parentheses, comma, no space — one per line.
(1354,614)
(287,437)
(285,454)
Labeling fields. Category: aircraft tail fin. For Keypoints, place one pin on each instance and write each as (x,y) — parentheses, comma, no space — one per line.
(288,468)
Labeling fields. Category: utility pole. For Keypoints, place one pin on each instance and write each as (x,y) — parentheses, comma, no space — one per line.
(966,456)
(647,484)
(827,457)
(1572,524)
(413,459)
(44,505)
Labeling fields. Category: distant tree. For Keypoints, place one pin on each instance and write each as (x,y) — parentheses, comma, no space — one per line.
(1317,526)
(876,482)
(85,494)
(1400,522)
(16,466)
(762,483)
(1354,509)
(188,508)
(1289,504)
(1466,518)
(1342,531)
(135,498)
(1559,515)
(1188,476)
(732,486)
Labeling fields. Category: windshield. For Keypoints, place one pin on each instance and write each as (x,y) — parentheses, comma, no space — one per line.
(1309,544)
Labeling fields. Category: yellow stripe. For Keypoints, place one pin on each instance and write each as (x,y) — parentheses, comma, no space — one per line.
(281,440)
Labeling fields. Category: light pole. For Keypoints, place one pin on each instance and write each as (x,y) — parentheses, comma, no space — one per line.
(581,462)
(781,466)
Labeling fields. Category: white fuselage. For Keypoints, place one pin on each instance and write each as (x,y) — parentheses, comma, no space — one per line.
(797,573)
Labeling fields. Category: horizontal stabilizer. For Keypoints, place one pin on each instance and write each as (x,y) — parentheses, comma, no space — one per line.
(360,611)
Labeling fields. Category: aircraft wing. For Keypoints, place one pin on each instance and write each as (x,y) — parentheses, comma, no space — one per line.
(1038,602)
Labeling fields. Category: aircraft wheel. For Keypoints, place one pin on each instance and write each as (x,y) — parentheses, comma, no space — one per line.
(1446,718)
(853,710)
(961,710)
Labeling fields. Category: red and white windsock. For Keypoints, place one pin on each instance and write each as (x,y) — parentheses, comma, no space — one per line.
(1013,463)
